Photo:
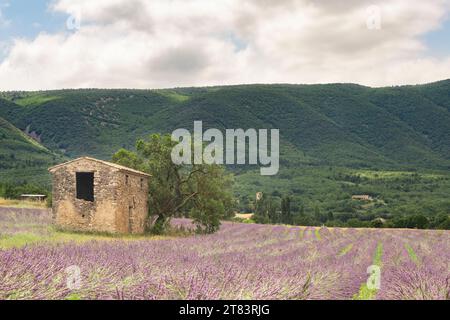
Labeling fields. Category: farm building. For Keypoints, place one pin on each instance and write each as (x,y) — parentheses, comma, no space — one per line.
(95,195)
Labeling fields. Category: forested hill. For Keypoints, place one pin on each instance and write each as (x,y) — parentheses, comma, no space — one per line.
(337,124)
(21,157)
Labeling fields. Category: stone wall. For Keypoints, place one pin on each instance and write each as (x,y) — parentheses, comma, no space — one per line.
(114,200)
(132,205)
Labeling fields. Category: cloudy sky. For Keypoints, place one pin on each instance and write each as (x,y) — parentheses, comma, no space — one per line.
(169,43)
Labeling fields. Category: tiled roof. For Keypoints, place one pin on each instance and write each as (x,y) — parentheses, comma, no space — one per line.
(110,164)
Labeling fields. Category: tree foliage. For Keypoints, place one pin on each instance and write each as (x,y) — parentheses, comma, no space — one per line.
(286,214)
(203,192)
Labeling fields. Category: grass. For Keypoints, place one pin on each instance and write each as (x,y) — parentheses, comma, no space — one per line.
(392,174)
(378,255)
(412,254)
(73,296)
(174,96)
(11,203)
(34,100)
(317,232)
(19,240)
(302,233)
(365,293)
(345,250)
(55,236)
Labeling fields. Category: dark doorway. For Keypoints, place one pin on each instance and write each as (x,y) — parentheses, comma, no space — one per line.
(85,186)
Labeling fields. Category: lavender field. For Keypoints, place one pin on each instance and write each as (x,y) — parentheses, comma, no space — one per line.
(241,261)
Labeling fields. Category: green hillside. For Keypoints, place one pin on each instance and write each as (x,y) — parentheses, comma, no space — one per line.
(22,159)
(336,139)
(339,125)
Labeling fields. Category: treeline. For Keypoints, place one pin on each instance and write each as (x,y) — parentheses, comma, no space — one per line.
(11,161)
(276,210)
(14,191)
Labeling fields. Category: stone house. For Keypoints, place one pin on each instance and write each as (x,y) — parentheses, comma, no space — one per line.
(95,195)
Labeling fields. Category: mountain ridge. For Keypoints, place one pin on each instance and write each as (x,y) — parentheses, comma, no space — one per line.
(332,124)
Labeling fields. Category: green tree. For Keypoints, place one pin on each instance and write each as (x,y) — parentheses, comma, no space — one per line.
(303,220)
(418,221)
(330,216)
(266,211)
(320,218)
(286,214)
(302,210)
(202,191)
(377,223)
(441,221)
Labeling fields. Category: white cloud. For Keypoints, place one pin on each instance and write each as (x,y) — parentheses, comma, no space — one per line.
(160,43)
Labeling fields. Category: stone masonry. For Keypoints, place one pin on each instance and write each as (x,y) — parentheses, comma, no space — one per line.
(119,203)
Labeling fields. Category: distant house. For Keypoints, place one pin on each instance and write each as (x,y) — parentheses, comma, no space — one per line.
(95,195)
(362,197)
(244,216)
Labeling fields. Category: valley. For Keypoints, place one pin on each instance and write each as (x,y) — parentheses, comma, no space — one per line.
(336,140)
